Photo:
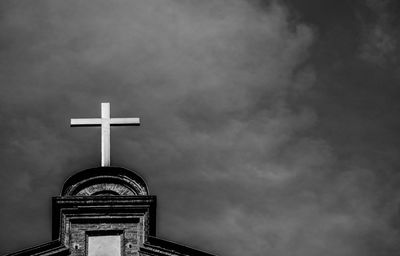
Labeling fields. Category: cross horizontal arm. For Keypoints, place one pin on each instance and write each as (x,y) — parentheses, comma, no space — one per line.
(125,121)
(85,121)
(105,122)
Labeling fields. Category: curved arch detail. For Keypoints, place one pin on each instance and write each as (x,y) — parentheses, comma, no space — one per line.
(104,180)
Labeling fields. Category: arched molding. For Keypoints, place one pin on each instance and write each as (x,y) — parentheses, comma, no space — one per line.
(104,181)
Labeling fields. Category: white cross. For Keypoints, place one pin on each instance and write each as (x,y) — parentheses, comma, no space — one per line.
(105,122)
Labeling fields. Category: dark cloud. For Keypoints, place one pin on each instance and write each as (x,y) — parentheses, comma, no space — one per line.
(380,34)
(234,143)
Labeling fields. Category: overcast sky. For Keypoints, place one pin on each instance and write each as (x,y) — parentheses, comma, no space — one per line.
(268,127)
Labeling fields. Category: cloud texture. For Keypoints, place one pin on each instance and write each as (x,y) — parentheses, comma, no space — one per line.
(224,141)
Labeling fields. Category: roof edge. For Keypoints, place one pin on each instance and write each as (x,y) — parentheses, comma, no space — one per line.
(54,247)
(156,244)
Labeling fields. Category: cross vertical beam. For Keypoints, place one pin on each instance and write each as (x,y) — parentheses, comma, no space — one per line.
(105,134)
(105,122)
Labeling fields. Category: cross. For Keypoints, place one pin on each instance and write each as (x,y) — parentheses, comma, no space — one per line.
(105,122)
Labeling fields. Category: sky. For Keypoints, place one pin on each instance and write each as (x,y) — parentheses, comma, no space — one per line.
(267,127)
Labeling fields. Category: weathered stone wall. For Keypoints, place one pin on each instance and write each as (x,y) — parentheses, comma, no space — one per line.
(131,236)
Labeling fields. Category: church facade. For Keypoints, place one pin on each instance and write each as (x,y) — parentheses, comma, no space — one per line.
(106,211)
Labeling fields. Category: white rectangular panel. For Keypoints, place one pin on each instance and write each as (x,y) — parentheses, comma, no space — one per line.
(104,245)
